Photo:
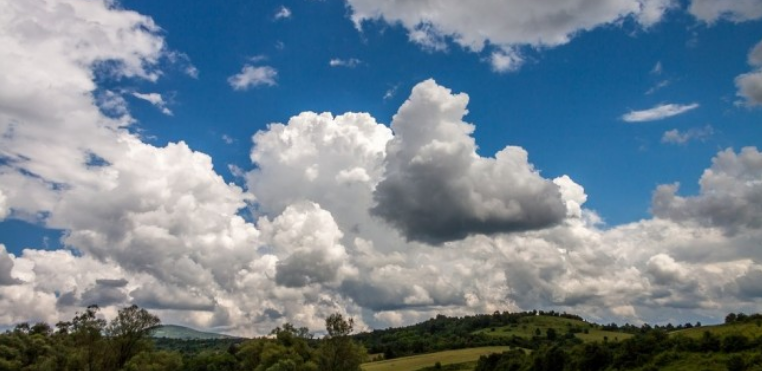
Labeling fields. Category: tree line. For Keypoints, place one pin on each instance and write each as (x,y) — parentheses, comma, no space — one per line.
(649,350)
(90,343)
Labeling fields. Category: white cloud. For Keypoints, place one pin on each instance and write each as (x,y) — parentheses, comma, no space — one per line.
(506,25)
(711,11)
(506,61)
(658,69)
(155,99)
(350,63)
(6,268)
(389,94)
(282,13)
(4,209)
(159,227)
(675,136)
(473,194)
(750,84)
(730,193)
(251,76)
(659,112)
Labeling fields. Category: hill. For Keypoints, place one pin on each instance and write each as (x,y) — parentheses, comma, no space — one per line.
(751,330)
(526,330)
(445,358)
(185,333)
(528,327)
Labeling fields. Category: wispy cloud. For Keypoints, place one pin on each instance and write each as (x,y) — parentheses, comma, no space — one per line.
(658,86)
(675,136)
(251,76)
(391,92)
(351,62)
(283,13)
(155,99)
(658,69)
(659,112)
(506,61)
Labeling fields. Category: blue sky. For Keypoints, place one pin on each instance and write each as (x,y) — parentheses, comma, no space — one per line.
(613,101)
(564,106)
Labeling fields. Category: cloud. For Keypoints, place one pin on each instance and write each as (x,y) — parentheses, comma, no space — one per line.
(6,268)
(282,13)
(659,85)
(251,76)
(711,11)
(506,61)
(4,210)
(675,136)
(750,84)
(730,196)
(658,69)
(156,100)
(159,227)
(105,293)
(437,189)
(163,296)
(305,238)
(350,63)
(505,26)
(659,112)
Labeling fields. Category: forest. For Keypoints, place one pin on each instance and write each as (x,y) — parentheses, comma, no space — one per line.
(532,340)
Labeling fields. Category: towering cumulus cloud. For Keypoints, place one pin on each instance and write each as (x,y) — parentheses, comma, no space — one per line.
(437,188)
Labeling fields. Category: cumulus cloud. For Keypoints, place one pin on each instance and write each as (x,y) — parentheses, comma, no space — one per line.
(252,76)
(166,296)
(156,100)
(437,189)
(159,227)
(6,268)
(750,84)
(676,136)
(659,112)
(730,196)
(711,11)
(505,25)
(105,292)
(307,242)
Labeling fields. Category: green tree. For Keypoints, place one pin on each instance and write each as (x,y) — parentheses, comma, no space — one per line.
(128,333)
(87,338)
(337,351)
(155,361)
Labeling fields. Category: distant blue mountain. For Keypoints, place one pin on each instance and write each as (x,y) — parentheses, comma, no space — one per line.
(184,333)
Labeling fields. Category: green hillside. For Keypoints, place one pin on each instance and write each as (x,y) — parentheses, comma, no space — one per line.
(449,357)
(749,329)
(531,326)
(185,333)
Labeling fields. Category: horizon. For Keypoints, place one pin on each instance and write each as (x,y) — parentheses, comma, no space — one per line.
(242,165)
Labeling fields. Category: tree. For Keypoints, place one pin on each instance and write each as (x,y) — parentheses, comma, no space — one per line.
(87,335)
(128,332)
(155,361)
(552,334)
(337,351)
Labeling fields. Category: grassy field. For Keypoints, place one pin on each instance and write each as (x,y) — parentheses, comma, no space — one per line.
(749,329)
(416,362)
(528,327)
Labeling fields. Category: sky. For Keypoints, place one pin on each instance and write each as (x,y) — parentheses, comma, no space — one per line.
(236,165)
